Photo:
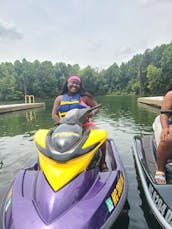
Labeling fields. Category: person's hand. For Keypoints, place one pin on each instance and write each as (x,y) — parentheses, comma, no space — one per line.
(164,134)
(57,123)
(92,113)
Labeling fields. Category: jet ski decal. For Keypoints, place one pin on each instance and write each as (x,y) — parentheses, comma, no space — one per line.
(113,200)
(161,206)
(118,190)
(109,204)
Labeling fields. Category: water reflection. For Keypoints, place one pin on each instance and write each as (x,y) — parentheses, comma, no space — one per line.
(19,122)
(16,153)
(30,116)
(123,219)
(126,108)
(128,115)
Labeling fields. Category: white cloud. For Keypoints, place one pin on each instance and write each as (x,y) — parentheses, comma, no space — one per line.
(8,31)
(95,33)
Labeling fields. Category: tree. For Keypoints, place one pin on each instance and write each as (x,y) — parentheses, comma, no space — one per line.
(166,65)
(112,75)
(44,82)
(62,72)
(154,78)
(8,87)
(89,79)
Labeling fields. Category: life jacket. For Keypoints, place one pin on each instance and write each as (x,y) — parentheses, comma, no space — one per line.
(68,103)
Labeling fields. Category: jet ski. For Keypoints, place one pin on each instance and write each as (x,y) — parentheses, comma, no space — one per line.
(65,187)
(158,195)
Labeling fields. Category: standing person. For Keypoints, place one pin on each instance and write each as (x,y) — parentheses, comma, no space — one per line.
(73,96)
(164,150)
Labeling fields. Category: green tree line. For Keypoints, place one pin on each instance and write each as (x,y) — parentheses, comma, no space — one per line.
(151,70)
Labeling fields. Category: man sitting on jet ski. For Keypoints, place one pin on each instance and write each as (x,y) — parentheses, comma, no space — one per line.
(164,150)
(74,96)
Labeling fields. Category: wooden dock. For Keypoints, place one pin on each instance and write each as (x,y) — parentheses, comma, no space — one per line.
(18,107)
(152,101)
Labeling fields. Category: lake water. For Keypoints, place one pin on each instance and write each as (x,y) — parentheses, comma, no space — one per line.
(121,116)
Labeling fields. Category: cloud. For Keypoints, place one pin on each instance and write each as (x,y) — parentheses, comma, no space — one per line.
(154,3)
(8,31)
(83,32)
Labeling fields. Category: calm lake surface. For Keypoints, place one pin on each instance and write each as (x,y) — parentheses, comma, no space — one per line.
(121,116)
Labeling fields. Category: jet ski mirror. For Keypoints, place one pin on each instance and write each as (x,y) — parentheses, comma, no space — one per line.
(78,116)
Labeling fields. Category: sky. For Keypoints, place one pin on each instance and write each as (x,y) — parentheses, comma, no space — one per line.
(85,32)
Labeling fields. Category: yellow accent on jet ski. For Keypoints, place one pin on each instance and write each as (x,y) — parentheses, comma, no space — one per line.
(40,136)
(96,135)
(59,174)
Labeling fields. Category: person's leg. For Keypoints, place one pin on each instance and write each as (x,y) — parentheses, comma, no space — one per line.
(164,152)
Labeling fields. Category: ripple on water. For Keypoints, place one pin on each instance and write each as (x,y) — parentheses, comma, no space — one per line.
(16,153)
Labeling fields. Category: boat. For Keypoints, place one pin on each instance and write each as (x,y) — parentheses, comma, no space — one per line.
(65,187)
(158,195)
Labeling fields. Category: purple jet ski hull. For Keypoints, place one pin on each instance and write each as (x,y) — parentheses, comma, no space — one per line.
(92,200)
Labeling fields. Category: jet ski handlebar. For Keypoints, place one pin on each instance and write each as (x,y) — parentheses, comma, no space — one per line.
(78,116)
(166,112)
(94,108)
